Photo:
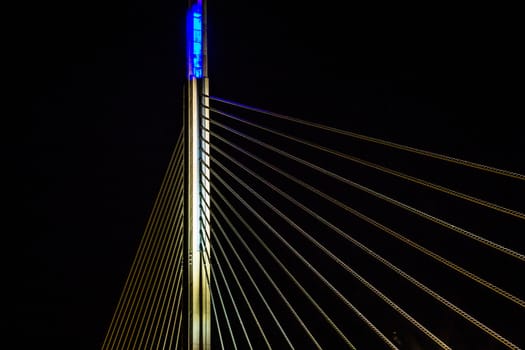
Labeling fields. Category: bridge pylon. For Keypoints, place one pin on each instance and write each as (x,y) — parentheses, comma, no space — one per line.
(196,182)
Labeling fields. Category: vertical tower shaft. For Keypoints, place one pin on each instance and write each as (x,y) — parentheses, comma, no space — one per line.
(197,186)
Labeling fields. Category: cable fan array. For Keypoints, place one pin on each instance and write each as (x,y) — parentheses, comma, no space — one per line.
(317,246)
(321,238)
(149,312)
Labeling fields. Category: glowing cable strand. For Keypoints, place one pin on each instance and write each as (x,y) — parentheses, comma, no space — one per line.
(174,271)
(143,306)
(303,290)
(209,259)
(204,195)
(148,302)
(167,256)
(390,200)
(323,249)
(292,277)
(143,282)
(382,227)
(207,256)
(178,287)
(420,285)
(232,300)
(147,241)
(241,289)
(161,333)
(284,299)
(175,288)
(174,297)
(381,168)
(142,246)
(251,280)
(316,272)
(415,150)
(179,327)
(217,287)
(327,252)
(150,268)
(163,301)
(180,320)
(221,300)
(216,318)
(180,308)
(205,168)
(176,303)
(158,327)
(272,281)
(206,246)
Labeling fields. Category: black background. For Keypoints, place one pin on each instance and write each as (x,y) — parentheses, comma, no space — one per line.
(101,102)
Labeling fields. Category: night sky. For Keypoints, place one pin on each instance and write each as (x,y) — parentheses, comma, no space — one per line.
(102,86)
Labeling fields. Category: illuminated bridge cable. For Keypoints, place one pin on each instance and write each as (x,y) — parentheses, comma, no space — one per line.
(221,300)
(139,287)
(319,275)
(418,151)
(252,280)
(272,282)
(212,298)
(285,300)
(358,214)
(370,252)
(347,268)
(162,328)
(142,304)
(172,320)
(173,298)
(145,303)
(216,317)
(115,328)
(179,324)
(381,168)
(203,246)
(206,250)
(161,273)
(143,246)
(225,313)
(161,291)
(142,300)
(281,265)
(413,210)
(165,294)
(324,250)
(175,288)
(420,285)
(232,300)
(390,200)
(176,307)
(179,328)
(176,282)
(235,309)
(241,289)
(179,320)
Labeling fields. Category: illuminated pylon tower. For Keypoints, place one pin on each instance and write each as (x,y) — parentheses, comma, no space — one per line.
(196,182)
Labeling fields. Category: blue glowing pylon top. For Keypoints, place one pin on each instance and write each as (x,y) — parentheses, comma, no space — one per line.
(194,40)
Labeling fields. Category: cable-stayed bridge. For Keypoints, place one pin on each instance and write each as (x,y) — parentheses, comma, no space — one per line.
(272,231)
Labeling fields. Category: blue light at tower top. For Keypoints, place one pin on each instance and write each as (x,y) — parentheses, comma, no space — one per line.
(194,33)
